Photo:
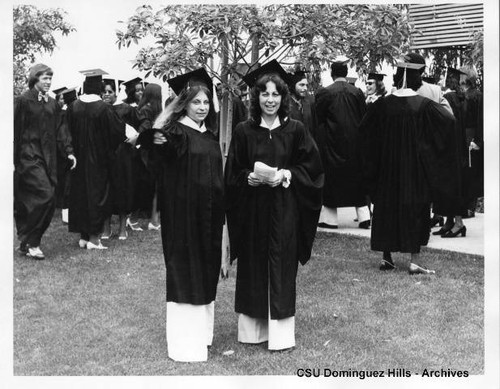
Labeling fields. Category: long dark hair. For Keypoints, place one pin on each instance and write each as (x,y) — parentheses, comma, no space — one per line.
(152,96)
(177,108)
(260,86)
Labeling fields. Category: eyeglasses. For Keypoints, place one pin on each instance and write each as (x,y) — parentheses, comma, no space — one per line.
(370,82)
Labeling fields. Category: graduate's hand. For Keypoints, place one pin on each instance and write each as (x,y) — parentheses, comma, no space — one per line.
(277,179)
(73,161)
(253,180)
(473,146)
(159,138)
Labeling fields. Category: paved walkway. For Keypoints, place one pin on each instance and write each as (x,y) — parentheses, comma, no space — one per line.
(473,243)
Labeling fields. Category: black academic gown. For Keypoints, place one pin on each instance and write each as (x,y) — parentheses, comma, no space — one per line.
(339,110)
(473,121)
(123,177)
(96,132)
(63,163)
(303,111)
(456,103)
(271,230)
(145,170)
(190,200)
(410,160)
(36,128)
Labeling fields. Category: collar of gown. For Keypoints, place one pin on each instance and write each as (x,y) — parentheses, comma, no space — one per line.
(405,92)
(187,121)
(275,124)
(89,98)
(338,79)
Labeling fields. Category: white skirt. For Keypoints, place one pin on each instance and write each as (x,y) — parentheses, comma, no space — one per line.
(190,329)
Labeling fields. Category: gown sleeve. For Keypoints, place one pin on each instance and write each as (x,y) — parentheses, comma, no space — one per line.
(307,184)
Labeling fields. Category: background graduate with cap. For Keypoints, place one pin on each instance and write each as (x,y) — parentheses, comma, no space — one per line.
(301,103)
(375,87)
(96,132)
(190,199)
(410,161)
(272,217)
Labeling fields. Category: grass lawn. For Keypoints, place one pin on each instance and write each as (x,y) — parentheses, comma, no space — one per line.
(103,312)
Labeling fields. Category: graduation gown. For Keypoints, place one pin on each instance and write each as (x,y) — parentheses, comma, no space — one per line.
(96,132)
(123,179)
(271,230)
(145,171)
(456,103)
(63,163)
(36,127)
(303,111)
(473,121)
(410,161)
(339,110)
(190,200)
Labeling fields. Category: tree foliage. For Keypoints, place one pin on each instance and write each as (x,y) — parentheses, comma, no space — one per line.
(33,34)
(309,36)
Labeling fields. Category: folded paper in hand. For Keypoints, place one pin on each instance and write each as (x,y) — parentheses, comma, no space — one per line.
(264,172)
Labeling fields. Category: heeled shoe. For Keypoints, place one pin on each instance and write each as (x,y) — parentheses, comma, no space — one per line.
(133,226)
(329,226)
(151,226)
(365,225)
(415,269)
(441,231)
(450,234)
(435,220)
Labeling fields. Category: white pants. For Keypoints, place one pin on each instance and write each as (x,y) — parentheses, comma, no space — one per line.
(329,215)
(280,334)
(190,329)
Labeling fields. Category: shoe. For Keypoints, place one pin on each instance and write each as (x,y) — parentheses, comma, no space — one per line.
(450,234)
(151,226)
(92,246)
(23,249)
(105,236)
(435,220)
(35,253)
(441,231)
(415,269)
(83,243)
(386,265)
(326,225)
(133,226)
(365,225)
(123,237)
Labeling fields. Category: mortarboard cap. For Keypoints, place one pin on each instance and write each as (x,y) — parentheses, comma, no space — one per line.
(454,72)
(411,61)
(271,67)
(376,76)
(196,77)
(69,95)
(91,73)
(59,90)
(132,83)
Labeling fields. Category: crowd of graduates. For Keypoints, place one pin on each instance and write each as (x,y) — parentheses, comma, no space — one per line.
(294,158)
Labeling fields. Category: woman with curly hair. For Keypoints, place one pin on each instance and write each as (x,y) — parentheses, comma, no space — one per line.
(273,180)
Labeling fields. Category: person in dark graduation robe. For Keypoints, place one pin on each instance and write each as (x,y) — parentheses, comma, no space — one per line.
(190,200)
(302,104)
(271,223)
(474,127)
(123,180)
(454,225)
(37,126)
(410,160)
(96,132)
(339,110)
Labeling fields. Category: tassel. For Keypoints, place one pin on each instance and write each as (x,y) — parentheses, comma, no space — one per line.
(215,99)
